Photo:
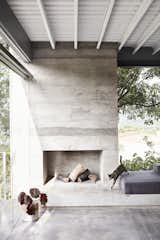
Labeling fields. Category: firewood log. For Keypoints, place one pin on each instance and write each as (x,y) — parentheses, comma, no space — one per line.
(84,176)
(66,179)
(93,177)
(76,172)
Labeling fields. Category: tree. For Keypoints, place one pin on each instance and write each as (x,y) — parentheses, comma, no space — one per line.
(4,105)
(4,126)
(138,97)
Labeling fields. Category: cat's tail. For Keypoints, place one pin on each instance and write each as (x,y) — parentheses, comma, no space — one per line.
(120,159)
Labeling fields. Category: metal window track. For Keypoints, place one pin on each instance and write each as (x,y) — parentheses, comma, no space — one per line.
(9,60)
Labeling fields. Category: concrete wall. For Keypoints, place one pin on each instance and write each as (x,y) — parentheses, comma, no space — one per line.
(73,106)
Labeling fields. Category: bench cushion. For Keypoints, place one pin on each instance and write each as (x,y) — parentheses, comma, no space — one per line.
(140,182)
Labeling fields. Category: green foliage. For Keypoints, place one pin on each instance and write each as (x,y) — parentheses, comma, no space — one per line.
(4,127)
(137,97)
(4,105)
(143,163)
(8,176)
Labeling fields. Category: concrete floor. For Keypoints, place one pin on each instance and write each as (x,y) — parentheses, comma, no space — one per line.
(82,223)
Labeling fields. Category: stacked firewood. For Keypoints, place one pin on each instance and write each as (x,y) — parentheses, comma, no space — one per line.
(80,174)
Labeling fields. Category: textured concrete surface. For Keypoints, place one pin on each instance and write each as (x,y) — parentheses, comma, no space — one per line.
(10,213)
(74,106)
(90,194)
(70,105)
(65,50)
(113,223)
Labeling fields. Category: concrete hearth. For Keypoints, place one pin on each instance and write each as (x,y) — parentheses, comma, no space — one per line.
(90,194)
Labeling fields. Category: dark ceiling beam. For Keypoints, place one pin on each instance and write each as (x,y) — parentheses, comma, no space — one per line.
(66,50)
(125,57)
(144,57)
(13,32)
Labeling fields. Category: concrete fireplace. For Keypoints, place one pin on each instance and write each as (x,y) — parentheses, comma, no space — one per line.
(67,114)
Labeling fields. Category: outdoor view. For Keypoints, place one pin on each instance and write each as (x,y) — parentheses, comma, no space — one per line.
(139,113)
(5,173)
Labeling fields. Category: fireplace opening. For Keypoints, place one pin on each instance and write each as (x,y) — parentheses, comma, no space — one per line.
(61,163)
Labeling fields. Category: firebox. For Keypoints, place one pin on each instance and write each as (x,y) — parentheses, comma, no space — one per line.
(61,163)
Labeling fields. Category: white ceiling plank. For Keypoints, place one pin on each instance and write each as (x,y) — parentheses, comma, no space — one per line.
(46,23)
(106,21)
(91,14)
(144,6)
(148,33)
(75,24)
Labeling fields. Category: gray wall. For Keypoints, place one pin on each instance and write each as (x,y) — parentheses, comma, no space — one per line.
(72,103)
(73,97)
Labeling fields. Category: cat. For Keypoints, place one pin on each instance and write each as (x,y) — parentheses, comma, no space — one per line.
(117,172)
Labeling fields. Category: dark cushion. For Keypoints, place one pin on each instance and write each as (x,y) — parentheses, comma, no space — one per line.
(140,182)
(156,168)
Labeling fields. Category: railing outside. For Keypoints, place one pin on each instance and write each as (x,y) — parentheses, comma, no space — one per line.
(5,175)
